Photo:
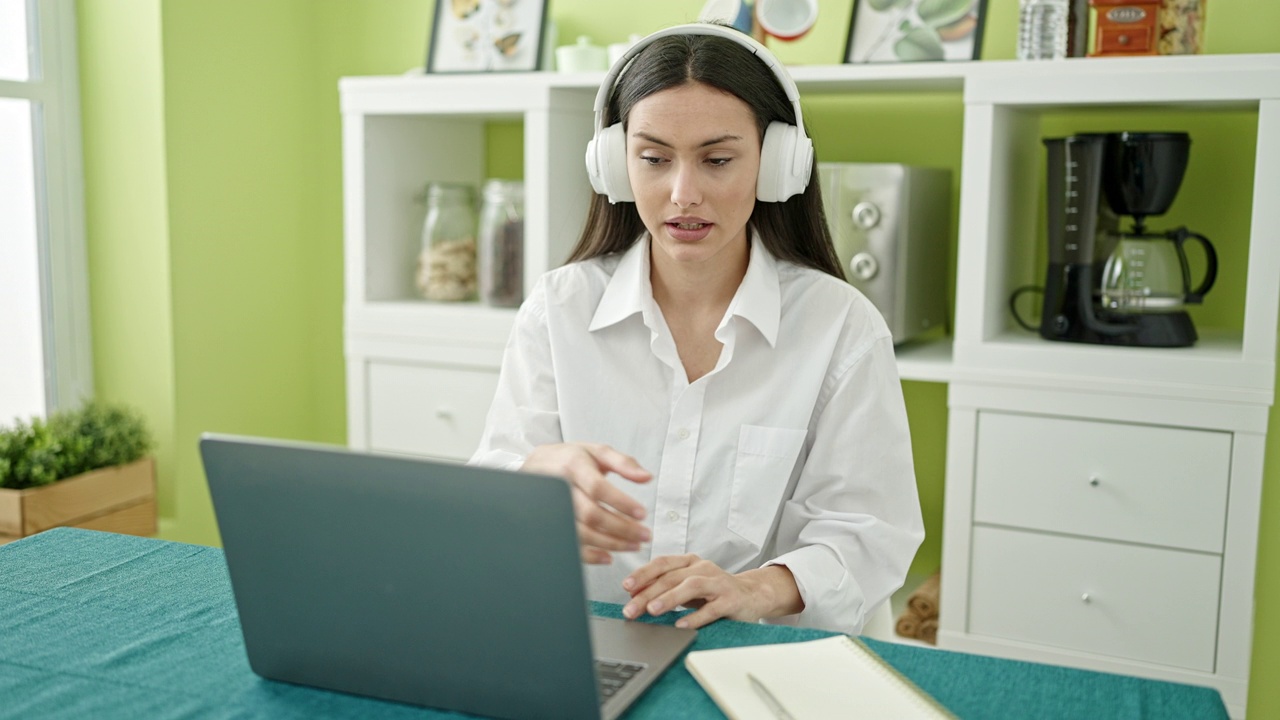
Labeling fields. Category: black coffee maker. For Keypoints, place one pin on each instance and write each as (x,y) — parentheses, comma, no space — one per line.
(1109,286)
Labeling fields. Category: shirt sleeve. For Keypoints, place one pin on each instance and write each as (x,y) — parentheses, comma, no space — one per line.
(525,411)
(852,526)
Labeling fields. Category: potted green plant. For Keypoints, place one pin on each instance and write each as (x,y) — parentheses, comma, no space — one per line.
(85,468)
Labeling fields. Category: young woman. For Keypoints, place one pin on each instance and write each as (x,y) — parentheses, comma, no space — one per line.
(725,406)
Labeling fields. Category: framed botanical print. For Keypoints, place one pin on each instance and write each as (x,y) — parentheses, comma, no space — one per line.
(486,36)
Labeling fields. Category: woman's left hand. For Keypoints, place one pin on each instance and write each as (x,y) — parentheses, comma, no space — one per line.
(670,581)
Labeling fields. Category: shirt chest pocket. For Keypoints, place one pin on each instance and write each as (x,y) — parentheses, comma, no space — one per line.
(765,459)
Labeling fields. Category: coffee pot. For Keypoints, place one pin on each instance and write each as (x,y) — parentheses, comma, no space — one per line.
(1149,273)
(1109,286)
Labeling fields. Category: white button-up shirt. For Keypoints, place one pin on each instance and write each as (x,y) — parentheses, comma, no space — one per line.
(794,450)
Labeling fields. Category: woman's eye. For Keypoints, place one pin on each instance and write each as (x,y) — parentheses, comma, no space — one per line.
(719,162)
(650,160)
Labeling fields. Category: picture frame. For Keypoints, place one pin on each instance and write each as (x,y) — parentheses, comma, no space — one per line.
(915,30)
(473,36)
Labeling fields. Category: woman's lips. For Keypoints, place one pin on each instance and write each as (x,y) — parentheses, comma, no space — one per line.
(689,231)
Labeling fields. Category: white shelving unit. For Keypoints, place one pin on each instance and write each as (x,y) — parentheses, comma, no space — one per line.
(420,375)
(1102,503)
(1148,571)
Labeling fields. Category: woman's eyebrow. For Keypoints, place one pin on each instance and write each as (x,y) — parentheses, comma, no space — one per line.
(664,143)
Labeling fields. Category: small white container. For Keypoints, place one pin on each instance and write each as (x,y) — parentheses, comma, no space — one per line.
(581,57)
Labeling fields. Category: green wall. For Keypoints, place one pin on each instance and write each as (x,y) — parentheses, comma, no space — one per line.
(122,110)
(214,203)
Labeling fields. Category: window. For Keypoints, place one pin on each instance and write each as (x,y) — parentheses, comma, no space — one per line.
(45,359)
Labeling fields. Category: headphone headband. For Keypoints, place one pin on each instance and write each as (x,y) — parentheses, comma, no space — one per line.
(750,43)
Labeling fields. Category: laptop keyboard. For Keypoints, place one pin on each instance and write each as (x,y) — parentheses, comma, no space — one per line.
(612,676)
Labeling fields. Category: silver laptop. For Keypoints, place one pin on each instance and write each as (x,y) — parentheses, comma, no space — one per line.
(428,583)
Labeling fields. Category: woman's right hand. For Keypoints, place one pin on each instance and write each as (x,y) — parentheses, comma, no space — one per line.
(608,518)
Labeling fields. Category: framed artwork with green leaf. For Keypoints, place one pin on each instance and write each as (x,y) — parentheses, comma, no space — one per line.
(914,30)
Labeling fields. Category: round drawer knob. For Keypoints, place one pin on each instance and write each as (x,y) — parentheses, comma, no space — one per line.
(444,413)
(1086,599)
(1094,481)
(864,266)
(866,215)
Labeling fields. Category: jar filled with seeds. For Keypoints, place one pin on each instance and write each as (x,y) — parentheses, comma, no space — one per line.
(502,243)
(447,263)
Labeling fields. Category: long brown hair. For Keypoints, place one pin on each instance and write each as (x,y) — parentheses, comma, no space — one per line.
(794,230)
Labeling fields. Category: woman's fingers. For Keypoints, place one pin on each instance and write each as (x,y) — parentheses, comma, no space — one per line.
(606,522)
(607,517)
(716,588)
(586,473)
(612,460)
(673,581)
(653,580)
(642,577)
(595,556)
(708,613)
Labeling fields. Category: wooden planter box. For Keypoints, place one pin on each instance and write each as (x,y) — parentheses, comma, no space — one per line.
(116,499)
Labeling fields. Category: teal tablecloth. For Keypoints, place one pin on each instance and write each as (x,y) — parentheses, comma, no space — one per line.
(97,625)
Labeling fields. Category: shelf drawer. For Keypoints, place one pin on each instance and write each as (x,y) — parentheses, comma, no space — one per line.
(1140,603)
(428,410)
(1137,483)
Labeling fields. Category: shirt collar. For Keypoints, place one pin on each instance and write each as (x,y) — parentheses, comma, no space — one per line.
(629,291)
(758,299)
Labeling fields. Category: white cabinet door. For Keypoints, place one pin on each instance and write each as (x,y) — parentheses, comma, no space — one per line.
(1127,601)
(1139,483)
(428,410)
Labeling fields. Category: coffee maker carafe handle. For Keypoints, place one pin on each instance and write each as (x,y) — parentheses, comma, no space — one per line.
(1179,237)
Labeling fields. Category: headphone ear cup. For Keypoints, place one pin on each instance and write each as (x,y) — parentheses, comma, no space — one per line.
(786,161)
(610,149)
(593,165)
(772,161)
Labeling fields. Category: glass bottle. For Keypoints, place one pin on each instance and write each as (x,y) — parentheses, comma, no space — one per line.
(447,263)
(1042,29)
(502,243)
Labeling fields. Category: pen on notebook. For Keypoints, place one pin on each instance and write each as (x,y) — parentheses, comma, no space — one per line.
(775,707)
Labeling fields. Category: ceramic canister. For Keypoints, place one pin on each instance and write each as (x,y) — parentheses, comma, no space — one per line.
(581,57)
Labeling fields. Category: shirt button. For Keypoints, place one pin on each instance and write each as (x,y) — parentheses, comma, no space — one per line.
(672,515)
(683,434)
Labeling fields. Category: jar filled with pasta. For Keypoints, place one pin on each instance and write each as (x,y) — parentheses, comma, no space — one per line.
(447,262)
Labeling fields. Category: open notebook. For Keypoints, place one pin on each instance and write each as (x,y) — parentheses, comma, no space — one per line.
(833,677)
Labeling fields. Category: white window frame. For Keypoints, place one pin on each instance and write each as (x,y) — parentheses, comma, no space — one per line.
(54,90)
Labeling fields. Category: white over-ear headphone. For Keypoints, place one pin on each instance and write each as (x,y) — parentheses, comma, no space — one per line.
(786,157)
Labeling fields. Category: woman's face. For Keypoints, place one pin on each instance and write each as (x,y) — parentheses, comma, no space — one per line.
(693,155)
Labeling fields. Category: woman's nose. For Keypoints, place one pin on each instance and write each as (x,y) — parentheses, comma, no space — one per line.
(685,186)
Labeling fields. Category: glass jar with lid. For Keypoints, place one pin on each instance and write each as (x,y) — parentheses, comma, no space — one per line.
(502,243)
(447,263)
